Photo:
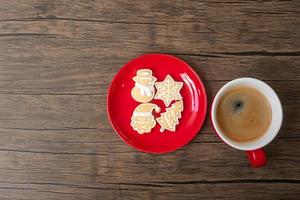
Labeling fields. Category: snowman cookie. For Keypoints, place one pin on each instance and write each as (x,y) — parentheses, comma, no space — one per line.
(143,90)
(142,119)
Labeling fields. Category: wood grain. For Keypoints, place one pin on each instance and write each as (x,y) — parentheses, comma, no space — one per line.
(57,59)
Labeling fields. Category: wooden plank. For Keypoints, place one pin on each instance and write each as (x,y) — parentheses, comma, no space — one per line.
(71,111)
(68,69)
(175,191)
(48,160)
(277,37)
(94,76)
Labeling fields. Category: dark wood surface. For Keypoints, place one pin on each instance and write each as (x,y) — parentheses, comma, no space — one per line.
(57,59)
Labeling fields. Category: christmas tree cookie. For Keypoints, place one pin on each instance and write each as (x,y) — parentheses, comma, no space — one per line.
(142,119)
(168,90)
(143,90)
(169,119)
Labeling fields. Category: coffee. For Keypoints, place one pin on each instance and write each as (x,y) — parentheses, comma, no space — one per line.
(243,114)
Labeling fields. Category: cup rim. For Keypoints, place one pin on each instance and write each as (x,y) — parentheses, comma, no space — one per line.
(276,127)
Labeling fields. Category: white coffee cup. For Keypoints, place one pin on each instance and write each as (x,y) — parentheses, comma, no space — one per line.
(253,148)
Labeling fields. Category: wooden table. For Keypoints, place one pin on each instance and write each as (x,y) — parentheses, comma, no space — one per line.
(57,59)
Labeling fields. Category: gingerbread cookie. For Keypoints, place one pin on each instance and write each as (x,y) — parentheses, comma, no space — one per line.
(143,90)
(169,119)
(142,119)
(168,90)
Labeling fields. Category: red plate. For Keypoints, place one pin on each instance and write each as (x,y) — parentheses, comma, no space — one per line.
(120,104)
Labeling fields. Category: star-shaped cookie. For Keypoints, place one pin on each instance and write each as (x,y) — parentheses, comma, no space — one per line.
(168,90)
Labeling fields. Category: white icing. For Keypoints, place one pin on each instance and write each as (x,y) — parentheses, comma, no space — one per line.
(142,114)
(145,90)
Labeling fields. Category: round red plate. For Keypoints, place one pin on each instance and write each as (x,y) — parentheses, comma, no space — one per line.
(120,104)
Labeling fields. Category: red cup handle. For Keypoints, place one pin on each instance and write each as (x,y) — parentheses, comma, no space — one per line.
(257,158)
